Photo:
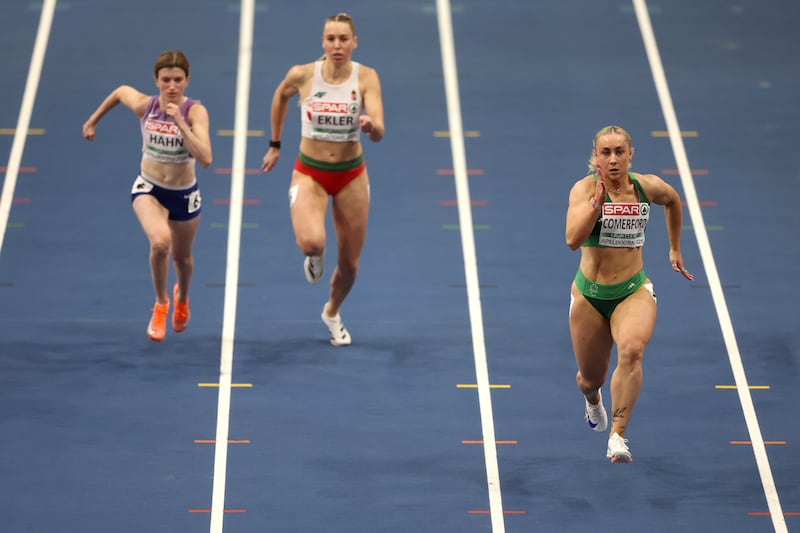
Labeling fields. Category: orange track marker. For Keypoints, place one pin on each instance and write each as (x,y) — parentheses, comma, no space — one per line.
(706,203)
(455,202)
(475,386)
(246,201)
(21,201)
(22,170)
(693,171)
(496,442)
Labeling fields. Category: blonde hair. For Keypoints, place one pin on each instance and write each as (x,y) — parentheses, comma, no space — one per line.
(338,17)
(607,130)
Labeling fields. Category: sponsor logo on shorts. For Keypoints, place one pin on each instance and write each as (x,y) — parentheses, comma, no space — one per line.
(593,289)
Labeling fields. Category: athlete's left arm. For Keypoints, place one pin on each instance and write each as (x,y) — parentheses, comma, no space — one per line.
(371,122)
(195,134)
(662,193)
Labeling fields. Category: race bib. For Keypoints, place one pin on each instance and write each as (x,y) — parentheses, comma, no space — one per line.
(195,201)
(622,224)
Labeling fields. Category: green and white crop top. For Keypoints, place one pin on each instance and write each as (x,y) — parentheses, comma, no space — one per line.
(621,224)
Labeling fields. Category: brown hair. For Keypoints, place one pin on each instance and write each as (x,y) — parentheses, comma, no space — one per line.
(170,59)
(607,130)
(339,17)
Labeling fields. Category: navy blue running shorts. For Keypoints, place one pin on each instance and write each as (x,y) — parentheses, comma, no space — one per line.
(182,204)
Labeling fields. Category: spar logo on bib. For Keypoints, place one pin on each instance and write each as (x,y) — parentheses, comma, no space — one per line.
(330,107)
(625,210)
(164,128)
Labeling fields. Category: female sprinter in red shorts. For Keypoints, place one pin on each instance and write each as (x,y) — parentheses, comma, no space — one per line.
(339,99)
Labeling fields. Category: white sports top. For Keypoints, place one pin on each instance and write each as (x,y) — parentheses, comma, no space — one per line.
(330,112)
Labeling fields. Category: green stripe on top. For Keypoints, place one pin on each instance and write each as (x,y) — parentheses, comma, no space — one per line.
(167,152)
(331,130)
(636,185)
(339,166)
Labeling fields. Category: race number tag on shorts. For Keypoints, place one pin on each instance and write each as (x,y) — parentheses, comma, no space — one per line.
(194,201)
(141,185)
(623,225)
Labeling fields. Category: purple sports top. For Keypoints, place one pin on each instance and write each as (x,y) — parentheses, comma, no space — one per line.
(162,140)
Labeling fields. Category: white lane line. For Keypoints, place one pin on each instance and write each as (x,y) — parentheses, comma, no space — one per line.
(232,266)
(25,112)
(734,356)
(470,263)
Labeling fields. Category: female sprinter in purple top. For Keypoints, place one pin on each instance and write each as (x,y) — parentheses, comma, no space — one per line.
(165,195)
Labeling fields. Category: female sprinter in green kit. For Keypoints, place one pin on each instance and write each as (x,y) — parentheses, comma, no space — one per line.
(612,301)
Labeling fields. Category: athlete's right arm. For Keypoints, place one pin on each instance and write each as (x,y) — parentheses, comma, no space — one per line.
(582,213)
(124,94)
(289,87)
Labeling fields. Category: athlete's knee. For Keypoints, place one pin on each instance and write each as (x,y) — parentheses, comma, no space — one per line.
(631,352)
(309,237)
(348,265)
(160,245)
(590,384)
(311,246)
(183,261)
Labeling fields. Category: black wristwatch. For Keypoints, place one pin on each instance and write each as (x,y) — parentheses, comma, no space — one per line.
(275,144)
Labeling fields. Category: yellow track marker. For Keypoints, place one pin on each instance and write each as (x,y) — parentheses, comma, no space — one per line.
(12,131)
(250,133)
(661,133)
(217,384)
(466,134)
(759,387)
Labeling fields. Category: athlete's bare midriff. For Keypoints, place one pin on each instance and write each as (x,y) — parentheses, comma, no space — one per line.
(174,175)
(330,151)
(607,266)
